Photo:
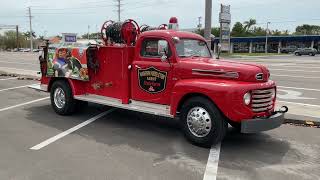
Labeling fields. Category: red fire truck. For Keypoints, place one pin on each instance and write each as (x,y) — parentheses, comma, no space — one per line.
(164,72)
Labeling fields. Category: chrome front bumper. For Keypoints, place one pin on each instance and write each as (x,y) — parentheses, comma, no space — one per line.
(262,124)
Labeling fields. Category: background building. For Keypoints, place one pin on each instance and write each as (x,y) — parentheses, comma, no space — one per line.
(275,43)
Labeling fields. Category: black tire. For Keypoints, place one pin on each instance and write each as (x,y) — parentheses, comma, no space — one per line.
(235,125)
(218,123)
(70,104)
(297,54)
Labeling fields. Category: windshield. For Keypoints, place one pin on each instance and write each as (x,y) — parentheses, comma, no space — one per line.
(192,48)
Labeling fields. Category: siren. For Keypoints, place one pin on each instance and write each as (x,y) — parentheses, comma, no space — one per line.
(173,23)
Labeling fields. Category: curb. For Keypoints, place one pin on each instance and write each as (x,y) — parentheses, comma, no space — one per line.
(20,77)
(307,123)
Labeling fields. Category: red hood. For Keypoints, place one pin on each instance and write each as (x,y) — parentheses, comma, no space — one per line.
(211,68)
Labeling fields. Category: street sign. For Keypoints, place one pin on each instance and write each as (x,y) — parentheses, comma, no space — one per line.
(69,37)
(225,20)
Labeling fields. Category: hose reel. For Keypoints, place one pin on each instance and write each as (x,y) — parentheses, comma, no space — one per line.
(120,32)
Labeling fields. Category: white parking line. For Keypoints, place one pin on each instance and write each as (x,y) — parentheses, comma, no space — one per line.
(23,104)
(18,87)
(1,67)
(294,70)
(297,66)
(8,78)
(34,64)
(306,77)
(299,88)
(302,104)
(69,131)
(212,164)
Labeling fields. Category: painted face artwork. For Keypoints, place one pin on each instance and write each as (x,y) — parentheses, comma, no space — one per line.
(68,62)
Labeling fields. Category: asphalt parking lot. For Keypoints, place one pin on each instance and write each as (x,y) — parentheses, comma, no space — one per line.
(38,144)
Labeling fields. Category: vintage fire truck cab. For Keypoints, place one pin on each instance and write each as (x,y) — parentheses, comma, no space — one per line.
(166,73)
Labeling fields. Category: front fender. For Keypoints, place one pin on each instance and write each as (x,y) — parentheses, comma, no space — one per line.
(227,95)
(218,91)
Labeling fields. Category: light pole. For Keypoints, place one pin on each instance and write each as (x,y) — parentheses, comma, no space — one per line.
(31,34)
(207,28)
(267,32)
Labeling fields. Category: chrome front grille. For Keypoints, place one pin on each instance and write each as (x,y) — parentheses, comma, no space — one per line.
(262,100)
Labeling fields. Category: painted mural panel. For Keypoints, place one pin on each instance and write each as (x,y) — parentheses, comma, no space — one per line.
(68,62)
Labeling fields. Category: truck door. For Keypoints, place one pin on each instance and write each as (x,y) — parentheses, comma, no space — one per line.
(152,73)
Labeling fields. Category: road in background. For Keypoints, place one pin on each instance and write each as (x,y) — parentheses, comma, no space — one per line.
(19,63)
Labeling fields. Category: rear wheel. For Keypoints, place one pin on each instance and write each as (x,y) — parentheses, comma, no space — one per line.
(311,54)
(61,98)
(297,54)
(202,122)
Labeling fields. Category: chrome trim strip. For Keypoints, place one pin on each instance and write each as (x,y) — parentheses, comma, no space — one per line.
(262,96)
(139,106)
(262,109)
(262,91)
(213,71)
(222,73)
(262,105)
(261,100)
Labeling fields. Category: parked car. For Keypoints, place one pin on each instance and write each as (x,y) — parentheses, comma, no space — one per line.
(36,50)
(26,50)
(306,51)
(289,49)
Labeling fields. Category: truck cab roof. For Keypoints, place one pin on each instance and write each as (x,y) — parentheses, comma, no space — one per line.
(171,34)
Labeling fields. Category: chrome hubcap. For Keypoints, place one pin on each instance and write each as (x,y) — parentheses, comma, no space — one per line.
(59,98)
(199,122)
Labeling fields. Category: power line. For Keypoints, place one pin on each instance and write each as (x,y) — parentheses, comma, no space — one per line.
(119,9)
(59,9)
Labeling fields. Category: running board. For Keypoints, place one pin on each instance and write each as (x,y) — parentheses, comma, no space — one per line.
(39,87)
(149,108)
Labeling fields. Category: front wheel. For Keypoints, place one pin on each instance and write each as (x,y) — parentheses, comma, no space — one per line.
(202,122)
(61,98)
(297,54)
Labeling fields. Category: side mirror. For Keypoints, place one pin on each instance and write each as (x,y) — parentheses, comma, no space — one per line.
(219,51)
(164,56)
(162,50)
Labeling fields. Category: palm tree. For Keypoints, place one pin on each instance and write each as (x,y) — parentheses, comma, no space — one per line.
(249,24)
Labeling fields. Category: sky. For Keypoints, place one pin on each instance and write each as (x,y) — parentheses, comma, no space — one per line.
(53,17)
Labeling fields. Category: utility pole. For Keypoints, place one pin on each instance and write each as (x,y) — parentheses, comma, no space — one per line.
(199,23)
(97,32)
(17,34)
(31,34)
(88,32)
(267,33)
(207,28)
(119,10)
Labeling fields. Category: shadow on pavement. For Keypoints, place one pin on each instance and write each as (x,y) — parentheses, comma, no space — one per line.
(245,154)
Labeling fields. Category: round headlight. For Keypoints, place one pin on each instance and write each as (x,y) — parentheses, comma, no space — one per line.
(247,98)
